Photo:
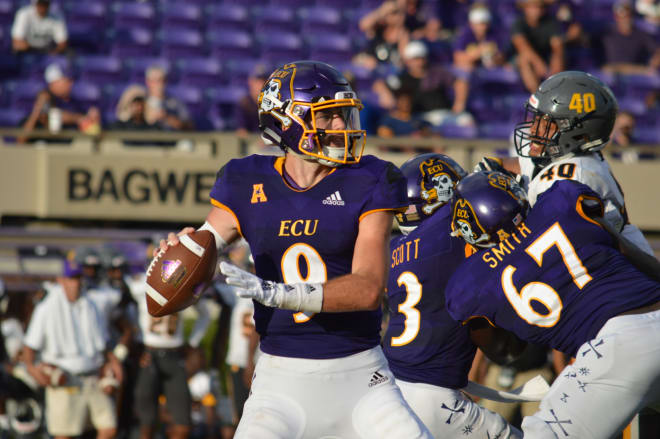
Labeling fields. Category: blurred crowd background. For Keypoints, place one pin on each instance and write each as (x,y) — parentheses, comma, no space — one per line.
(455,69)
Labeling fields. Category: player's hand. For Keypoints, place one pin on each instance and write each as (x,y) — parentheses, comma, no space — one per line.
(251,286)
(495,164)
(172,239)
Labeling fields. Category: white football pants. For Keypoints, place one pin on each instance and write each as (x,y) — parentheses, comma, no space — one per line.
(448,413)
(354,397)
(613,377)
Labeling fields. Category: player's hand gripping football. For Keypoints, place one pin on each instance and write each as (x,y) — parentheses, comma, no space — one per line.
(306,297)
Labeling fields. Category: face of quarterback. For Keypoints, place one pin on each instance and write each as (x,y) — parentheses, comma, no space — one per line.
(331,119)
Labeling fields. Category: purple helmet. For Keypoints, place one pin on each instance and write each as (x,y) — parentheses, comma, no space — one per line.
(430,181)
(301,95)
(487,207)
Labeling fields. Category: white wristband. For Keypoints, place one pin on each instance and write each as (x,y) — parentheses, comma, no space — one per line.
(120,351)
(307,297)
(219,242)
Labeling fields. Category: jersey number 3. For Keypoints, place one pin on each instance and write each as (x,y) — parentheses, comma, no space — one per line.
(407,308)
(521,301)
(291,272)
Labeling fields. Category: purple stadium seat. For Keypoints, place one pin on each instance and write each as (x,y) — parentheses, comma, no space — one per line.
(177,43)
(87,13)
(290,3)
(179,15)
(139,65)
(7,12)
(224,100)
(86,38)
(647,135)
(274,18)
(99,68)
(134,14)
(11,118)
(9,66)
(279,47)
(23,93)
(228,17)
(322,18)
(329,46)
(237,70)
(133,42)
(496,130)
(200,71)
(639,85)
(230,44)
(189,95)
(457,131)
(86,92)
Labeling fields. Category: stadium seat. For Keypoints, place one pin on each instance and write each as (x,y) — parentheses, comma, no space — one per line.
(178,43)
(224,101)
(199,71)
(7,12)
(237,70)
(135,15)
(86,38)
(278,47)
(179,15)
(457,131)
(87,92)
(88,13)
(329,47)
(266,19)
(189,95)
(496,130)
(138,66)
(230,44)
(228,17)
(9,66)
(100,68)
(12,118)
(23,93)
(128,42)
(321,19)
(296,4)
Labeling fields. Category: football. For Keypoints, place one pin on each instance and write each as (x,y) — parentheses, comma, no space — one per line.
(177,276)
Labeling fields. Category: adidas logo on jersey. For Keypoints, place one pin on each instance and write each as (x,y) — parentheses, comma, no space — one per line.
(334,200)
(377,378)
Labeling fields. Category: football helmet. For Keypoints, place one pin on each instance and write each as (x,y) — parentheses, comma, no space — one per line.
(487,207)
(298,107)
(430,182)
(570,113)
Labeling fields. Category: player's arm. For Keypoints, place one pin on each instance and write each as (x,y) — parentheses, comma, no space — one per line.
(364,287)
(360,290)
(498,344)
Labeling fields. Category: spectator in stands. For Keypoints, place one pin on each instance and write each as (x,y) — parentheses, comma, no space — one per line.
(247,114)
(626,48)
(166,112)
(538,44)
(37,28)
(428,85)
(477,46)
(400,121)
(650,10)
(70,335)
(386,32)
(55,108)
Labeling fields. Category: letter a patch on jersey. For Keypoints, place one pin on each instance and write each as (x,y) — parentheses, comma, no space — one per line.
(258,194)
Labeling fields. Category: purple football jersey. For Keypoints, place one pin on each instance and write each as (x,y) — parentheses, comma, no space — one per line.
(423,344)
(554,282)
(307,236)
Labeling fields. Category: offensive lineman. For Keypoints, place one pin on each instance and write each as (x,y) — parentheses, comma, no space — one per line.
(430,353)
(554,276)
(317,222)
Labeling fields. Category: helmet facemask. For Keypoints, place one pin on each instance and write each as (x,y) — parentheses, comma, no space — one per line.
(538,136)
(320,141)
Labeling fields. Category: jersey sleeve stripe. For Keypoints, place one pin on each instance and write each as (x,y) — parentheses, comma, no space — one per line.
(219,205)
(580,210)
(389,209)
(465,322)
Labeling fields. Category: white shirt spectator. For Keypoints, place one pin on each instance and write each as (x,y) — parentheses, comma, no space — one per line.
(39,32)
(69,335)
(237,352)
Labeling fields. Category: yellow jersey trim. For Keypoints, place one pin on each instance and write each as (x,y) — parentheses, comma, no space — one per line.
(279,167)
(479,317)
(388,209)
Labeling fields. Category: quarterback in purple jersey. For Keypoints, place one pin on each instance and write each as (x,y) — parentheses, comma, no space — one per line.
(559,275)
(317,221)
(430,353)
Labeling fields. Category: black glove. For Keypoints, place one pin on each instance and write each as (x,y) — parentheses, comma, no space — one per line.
(495,164)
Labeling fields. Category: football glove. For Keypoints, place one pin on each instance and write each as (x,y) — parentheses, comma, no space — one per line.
(306,297)
(496,164)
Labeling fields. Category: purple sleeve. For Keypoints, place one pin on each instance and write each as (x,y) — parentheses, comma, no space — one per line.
(389,192)
(464,38)
(221,191)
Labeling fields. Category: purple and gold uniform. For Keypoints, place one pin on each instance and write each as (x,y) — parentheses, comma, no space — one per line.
(556,280)
(423,343)
(307,236)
